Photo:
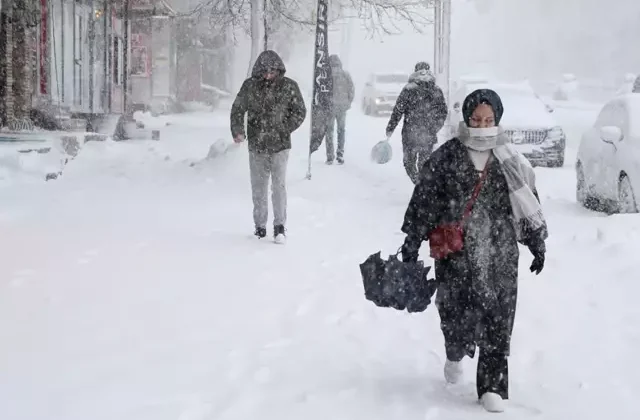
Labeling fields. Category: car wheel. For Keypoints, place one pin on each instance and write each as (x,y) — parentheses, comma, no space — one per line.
(584,197)
(626,197)
(581,186)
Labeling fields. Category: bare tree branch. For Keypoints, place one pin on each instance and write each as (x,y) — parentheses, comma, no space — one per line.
(379,16)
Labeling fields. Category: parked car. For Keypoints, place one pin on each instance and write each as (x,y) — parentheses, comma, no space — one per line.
(636,85)
(567,90)
(381,91)
(628,84)
(608,165)
(528,121)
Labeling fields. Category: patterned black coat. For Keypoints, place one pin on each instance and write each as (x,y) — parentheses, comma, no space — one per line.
(477,288)
(423,106)
(274,108)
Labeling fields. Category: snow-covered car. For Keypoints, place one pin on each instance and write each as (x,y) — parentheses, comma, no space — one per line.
(567,90)
(636,85)
(628,84)
(608,164)
(528,121)
(381,91)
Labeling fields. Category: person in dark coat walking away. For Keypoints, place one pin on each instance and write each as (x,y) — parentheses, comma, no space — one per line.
(343,94)
(275,109)
(478,285)
(424,108)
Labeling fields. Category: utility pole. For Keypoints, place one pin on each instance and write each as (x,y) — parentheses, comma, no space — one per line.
(442,45)
(125,60)
(442,54)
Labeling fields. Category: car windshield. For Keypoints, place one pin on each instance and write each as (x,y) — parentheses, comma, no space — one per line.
(392,78)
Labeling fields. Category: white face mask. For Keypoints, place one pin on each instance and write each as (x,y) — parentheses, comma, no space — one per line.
(483,132)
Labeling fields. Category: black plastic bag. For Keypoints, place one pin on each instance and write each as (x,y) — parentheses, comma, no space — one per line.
(397,284)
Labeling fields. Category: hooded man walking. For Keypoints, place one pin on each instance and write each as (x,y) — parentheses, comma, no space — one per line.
(343,94)
(275,109)
(425,111)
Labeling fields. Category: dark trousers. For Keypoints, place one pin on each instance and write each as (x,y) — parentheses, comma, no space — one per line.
(414,156)
(341,118)
(492,374)
(493,343)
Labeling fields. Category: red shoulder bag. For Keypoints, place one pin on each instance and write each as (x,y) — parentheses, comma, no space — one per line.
(448,238)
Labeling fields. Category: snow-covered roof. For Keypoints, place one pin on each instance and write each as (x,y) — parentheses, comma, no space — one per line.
(163,6)
(183,6)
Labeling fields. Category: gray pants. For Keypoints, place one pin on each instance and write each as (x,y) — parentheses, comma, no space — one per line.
(262,167)
(415,155)
(341,118)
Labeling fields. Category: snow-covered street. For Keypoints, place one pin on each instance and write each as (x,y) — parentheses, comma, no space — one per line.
(132,288)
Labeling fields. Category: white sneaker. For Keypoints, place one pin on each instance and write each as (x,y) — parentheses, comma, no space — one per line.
(492,402)
(453,371)
(280,239)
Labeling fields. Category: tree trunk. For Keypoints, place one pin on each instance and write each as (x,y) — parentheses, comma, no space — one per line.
(22,58)
(256,13)
(6,66)
(266,25)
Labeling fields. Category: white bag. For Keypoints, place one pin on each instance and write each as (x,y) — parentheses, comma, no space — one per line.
(382,152)
(221,147)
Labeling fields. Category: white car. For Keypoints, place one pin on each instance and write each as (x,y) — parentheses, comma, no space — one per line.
(608,165)
(528,121)
(381,91)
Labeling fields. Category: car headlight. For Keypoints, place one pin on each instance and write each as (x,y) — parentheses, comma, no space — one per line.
(378,100)
(556,133)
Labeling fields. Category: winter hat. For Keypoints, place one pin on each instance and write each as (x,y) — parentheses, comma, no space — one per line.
(334,61)
(422,65)
(482,96)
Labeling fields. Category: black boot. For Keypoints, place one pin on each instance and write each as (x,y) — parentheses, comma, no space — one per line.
(260,232)
(278,234)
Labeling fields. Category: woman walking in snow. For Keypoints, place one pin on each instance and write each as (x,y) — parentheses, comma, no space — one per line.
(475,200)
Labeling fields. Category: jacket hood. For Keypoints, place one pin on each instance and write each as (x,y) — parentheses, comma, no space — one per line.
(268,60)
(334,61)
(482,96)
(422,76)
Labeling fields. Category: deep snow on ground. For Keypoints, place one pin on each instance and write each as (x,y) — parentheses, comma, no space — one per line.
(131,288)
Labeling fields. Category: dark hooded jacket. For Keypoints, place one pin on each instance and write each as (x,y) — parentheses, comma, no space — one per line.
(477,287)
(343,88)
(424,108)
(274,108)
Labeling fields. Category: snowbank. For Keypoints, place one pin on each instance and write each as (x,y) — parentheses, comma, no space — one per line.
(132,288)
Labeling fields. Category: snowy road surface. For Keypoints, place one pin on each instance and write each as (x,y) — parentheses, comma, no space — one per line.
(132,289)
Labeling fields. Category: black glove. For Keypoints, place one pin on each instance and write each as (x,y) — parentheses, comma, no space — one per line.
(538,251)
(411,248)
(538,263)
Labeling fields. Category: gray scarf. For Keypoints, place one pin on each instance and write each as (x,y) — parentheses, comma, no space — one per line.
(517,170)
